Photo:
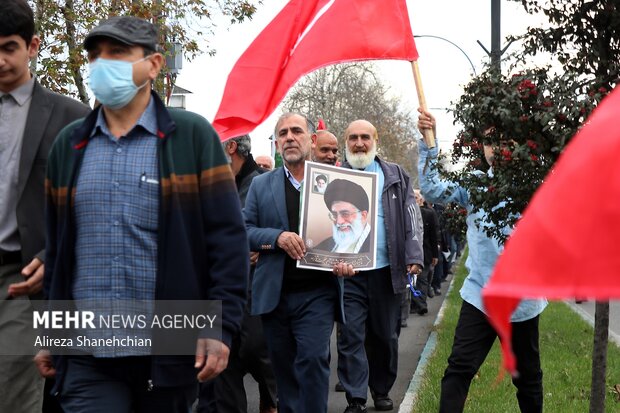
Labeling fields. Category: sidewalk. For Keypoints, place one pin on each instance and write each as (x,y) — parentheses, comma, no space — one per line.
(586,311)
(413,339)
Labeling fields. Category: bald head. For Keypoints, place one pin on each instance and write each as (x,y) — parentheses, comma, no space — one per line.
(361,143)
(363,125)
(264,161)
(419,198)
(325,147)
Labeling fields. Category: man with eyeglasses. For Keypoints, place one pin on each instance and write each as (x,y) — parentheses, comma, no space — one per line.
(372,298)
(348,210)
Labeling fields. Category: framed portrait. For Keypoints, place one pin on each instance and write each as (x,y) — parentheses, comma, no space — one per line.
(338,217)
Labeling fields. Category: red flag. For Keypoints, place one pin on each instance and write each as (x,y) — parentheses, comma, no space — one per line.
(321,125)
(304,36)
(566,244)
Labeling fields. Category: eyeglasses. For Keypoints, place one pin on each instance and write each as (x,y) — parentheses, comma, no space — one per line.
(333,215)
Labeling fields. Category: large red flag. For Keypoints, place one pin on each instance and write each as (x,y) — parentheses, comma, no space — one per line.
(566,244)
(304,36)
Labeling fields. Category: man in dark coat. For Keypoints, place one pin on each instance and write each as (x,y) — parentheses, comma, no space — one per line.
(30,118)
(226,393)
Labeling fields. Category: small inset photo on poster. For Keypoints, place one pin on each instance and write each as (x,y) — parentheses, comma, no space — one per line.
(338,217)
(319,182)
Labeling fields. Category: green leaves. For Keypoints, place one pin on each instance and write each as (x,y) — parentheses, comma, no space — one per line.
(526,119)
(63,24)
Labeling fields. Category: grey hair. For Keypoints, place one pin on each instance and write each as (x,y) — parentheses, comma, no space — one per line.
(244,145)
(309,124)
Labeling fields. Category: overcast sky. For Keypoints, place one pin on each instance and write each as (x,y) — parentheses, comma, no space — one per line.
(444,69)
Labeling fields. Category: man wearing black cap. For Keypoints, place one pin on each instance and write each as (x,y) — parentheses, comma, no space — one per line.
(142,205)
(348,210)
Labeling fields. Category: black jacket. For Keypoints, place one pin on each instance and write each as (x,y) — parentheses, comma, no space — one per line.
(431,241)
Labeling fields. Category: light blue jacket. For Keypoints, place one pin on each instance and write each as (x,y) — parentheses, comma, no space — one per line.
(483,250)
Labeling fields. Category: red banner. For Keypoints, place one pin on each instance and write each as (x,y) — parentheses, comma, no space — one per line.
(304,36)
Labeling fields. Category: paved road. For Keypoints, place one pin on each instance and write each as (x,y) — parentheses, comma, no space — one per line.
(412,341)
(586,310)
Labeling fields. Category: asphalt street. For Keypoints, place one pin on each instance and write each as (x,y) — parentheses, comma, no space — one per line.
(412,340)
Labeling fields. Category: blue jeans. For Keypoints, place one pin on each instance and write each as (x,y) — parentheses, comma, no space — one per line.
(297,333)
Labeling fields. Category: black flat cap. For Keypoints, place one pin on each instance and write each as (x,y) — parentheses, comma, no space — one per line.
(341,190)
(126,29)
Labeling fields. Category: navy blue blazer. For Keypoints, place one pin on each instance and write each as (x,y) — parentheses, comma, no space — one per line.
(265,219)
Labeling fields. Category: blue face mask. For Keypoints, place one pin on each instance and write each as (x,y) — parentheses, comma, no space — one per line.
(112,82)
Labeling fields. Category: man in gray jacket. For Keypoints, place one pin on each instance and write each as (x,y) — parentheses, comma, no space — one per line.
(372,298)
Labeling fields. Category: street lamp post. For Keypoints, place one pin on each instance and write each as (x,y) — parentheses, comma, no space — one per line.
(473,68)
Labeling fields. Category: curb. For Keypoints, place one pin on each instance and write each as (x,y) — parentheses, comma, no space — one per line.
(590,320)
(406,405)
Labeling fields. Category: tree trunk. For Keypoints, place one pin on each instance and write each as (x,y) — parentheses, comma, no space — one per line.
(599,357)
(39,11)
(74,63)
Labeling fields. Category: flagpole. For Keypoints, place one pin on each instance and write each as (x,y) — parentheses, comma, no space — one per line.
(429,136)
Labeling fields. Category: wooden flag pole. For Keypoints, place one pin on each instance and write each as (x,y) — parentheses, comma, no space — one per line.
(429,136)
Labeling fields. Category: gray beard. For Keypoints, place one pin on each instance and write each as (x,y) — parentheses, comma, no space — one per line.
(361,160)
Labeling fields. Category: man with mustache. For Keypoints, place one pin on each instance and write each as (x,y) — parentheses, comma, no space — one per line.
(298,306)
(324,147)
(348,206)
(372,298)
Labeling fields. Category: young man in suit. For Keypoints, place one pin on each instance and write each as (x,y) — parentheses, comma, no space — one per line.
(30,118)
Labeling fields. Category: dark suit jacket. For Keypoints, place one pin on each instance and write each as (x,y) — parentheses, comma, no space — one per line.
(266,218)
(431,242)
(49,113)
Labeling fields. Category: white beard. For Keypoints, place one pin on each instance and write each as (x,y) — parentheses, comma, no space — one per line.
(361,160)
(344,239)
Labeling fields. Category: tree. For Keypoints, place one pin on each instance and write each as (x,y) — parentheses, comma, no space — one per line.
(528,118)
(63,24)
(342,93)
(535,112)
(584,37)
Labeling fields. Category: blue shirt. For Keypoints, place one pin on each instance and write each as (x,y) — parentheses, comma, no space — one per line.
(296,184)
(483,250)
(116,212)
(383,259)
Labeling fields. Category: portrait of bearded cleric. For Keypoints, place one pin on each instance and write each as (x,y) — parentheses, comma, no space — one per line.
(347,204)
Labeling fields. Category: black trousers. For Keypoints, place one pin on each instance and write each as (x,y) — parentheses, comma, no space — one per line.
(226,393)
(368,342)
(422,285)
(473,339)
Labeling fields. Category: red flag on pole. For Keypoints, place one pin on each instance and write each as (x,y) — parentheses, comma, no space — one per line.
(566,244)
(304,36)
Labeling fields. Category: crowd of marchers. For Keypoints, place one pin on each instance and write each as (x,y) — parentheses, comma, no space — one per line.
(132,200)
